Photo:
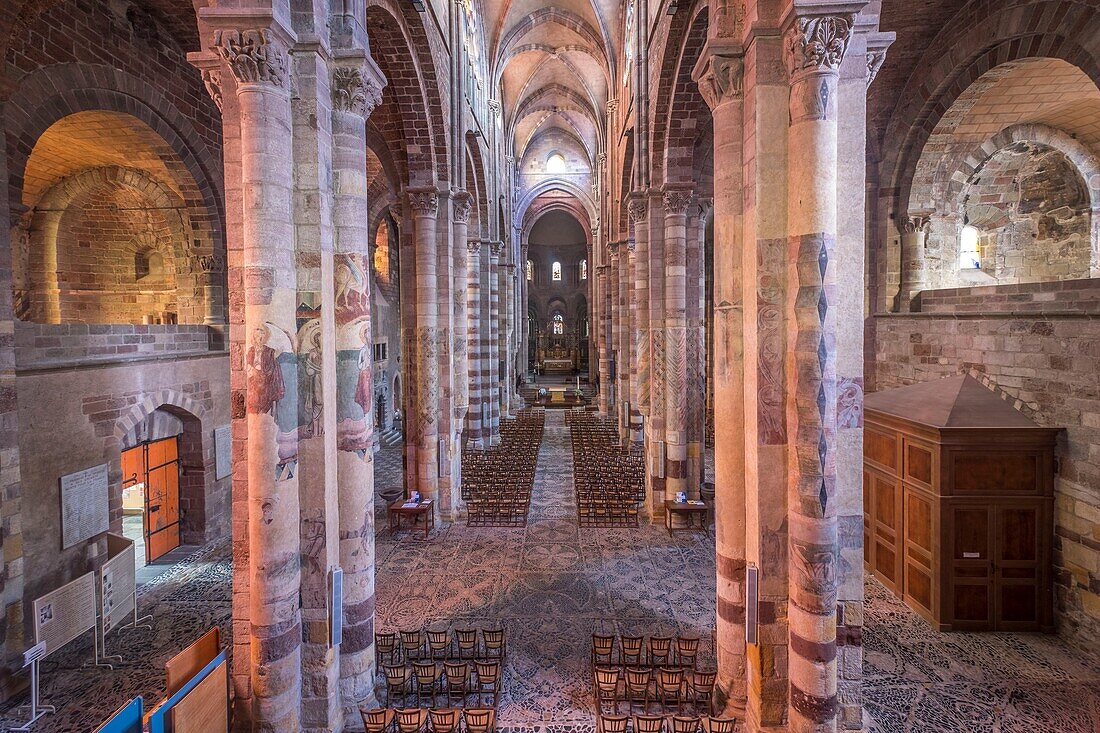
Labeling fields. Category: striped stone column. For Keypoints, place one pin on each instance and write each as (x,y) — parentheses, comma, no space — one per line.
(424,203)
(696,344)
(493,336)
(815,46)
(461,204)
(605,352)
(676,201)
(257,59)
(476,364)
(614,314)
(721,83)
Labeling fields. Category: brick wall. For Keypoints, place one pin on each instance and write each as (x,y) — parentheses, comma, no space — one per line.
(1050,363)
(1076,296)
(39,345)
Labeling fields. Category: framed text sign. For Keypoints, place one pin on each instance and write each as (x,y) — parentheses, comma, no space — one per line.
(223,452)
(64,614)
(84,512)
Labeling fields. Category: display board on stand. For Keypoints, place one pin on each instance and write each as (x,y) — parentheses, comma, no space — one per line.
(84,511)
(64,614)
(118,582)
(127,719)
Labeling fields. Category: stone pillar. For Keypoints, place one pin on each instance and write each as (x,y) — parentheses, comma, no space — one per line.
(474,345)
(424,203)
(605,353)
(495,250)
(815,47)
(635,420)
(356,90)
(257,59)
(677,397)
(506,307)
(696,345)
(720,78)
(614,313)
(461,211)
(914,236)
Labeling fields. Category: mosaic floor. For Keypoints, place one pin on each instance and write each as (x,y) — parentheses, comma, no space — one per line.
(551,584)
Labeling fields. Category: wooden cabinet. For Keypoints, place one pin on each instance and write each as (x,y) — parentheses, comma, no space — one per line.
(958,493)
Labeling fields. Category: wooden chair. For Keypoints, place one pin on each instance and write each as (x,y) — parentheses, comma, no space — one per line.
(412,644)
(687,649)
(493,640)
(426,676)
(439,643)
(636,687)
(397,682)
(603,647)
(660,650)
(458,681)
(385,647)
(411,720)
(630,650)
(685,724)
(607,687)
(466,640)
(488,679)
(479,720)
(649,724)
(377,720)
(612,723)
(701,689)
(443,720)
(670,684)
(719,725)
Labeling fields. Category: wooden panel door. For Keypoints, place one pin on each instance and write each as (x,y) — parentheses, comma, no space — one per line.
(885,521)
(1018,569)
(969,547)
(162,497)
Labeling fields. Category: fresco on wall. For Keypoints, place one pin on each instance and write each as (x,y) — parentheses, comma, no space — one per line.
(354,382)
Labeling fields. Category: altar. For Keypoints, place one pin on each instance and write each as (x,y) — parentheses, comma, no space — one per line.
(557,366)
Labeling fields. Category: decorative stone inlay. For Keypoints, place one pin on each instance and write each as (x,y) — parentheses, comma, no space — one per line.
(253,55)
(354,91)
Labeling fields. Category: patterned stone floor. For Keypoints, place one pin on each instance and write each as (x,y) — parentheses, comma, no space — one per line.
(551,584)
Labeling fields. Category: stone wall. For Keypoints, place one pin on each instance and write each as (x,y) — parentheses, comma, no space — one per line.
(39,345)
(72,419)
(1049,362)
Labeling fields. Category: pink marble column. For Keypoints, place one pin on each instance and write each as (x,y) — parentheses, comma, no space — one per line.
(257,58)
(720,78)
(815,47)
(356,90)
(676,201)
(424,203)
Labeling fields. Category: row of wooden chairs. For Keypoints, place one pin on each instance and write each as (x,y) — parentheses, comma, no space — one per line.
(671,688)
(663,724)
(609,479)
(454,681)
(470,644)
(497,482)
(612,650)
(429,720)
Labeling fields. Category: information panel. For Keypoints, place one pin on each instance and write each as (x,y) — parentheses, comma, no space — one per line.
(64,614)
(118,582)
(223,452)
(84,512)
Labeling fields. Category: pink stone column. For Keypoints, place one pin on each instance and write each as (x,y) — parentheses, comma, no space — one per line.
(257,58)
(462,202)
(614,311)
(424,203)
(604,296)
(357,89)
(914,235)
(696,345)
(720,79)
(473,336)
(815,47)
(495,250)
(676,202)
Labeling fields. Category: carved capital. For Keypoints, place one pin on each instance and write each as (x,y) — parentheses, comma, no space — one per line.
(493,105)
(601,159)
(703,207)
(817,43)
(463,202)
(721,79)
(917,223)
(473,246)
(356,91)
(612,106)
(638,208)
(496,249)
(875,60)
(676,201)
(212,80)
(424,201)
(255,56)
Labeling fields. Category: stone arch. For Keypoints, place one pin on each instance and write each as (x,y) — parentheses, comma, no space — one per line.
(675,132)
(529,197)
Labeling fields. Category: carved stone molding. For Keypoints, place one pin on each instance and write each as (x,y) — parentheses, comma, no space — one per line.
(722,79)
(355,91)
(463,202)
(212,80)
(424,201)
(875,60)
(254,56)
(676,201)
(818,43)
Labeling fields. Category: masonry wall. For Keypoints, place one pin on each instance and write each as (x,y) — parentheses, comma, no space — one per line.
(73,419)
(1049,359)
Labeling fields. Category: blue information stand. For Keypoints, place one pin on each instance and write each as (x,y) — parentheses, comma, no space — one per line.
(126,720)
(157,717)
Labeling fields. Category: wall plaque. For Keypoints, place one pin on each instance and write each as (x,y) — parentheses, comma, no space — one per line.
(223,452)
(84,512)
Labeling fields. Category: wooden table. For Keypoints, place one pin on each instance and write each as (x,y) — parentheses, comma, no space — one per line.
(398,509)
(689,512)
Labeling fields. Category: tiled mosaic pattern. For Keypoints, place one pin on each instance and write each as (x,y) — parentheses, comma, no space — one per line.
(551,584)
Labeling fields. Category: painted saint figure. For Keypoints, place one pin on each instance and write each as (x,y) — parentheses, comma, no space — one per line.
(265,378)
(363,389)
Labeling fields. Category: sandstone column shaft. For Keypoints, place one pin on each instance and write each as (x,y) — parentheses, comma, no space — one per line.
(425,209)
(473,337)
(914,234)
(675,341)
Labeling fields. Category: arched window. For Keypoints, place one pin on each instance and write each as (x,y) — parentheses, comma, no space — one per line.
(559,323)
(555,271)
(530,270)
(970,254)
(555,163)
(584,269)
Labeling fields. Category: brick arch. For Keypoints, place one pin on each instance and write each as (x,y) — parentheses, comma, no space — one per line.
(128,422)
(959,56)
(411,117)
(678,94)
